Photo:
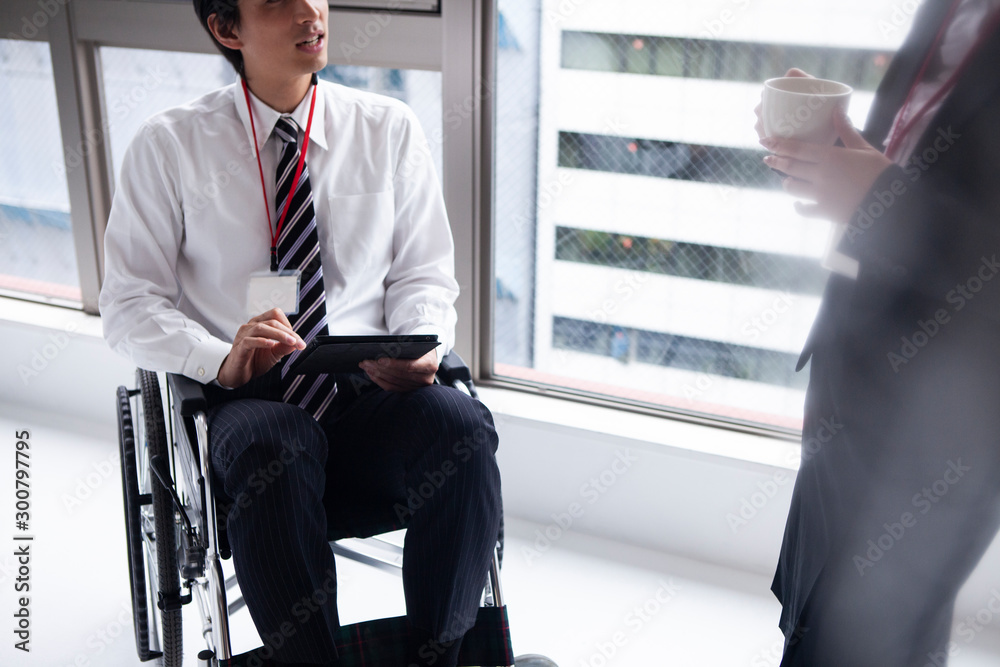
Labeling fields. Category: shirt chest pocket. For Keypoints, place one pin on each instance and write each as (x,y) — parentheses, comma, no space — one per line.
(360,229)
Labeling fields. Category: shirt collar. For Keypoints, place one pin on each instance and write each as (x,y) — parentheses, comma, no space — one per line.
(265,118)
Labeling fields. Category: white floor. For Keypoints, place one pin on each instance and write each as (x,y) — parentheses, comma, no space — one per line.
(582,601)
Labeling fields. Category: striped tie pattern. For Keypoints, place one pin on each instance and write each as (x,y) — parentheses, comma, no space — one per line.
(298,249)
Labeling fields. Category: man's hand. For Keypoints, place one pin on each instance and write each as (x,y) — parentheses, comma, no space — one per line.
(835,178)
(402,374)
(259,345)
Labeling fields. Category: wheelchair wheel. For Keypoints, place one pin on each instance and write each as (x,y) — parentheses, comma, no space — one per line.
(133,527)
(151,525)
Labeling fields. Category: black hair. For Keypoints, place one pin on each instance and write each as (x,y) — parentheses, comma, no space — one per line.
(228,16)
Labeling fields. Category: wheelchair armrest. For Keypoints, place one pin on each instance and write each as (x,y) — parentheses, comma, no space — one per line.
(188,394)
(453,369)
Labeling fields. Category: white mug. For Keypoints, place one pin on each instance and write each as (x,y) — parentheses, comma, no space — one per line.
(798,107)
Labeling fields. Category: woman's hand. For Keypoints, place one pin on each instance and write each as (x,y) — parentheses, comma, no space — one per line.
(835,178)
(759,126)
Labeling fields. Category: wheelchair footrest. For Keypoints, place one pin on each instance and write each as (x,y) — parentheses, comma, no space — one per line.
(383,642)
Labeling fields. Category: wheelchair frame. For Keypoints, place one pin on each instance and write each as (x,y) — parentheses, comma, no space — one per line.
(173,535)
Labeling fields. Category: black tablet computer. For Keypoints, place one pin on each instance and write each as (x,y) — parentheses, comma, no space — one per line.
(342,354)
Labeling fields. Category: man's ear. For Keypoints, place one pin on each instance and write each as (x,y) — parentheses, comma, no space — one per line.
(225,35)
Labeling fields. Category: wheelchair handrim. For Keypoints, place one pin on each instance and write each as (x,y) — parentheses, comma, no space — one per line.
(148,529)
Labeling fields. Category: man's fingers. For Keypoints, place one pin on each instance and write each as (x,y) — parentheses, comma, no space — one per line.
(268,315)
(389,371)
(388,383)
(400,374)
(273,330)
(279,314)
(276,318)
(795,71)
(250,343)
(390,386)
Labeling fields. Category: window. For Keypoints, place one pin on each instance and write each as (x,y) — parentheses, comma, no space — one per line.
(37,255)
(139,83)
(643,251)
(716,59)
(393,5)
(640,251)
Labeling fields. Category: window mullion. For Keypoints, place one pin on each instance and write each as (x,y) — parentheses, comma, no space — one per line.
(85,150)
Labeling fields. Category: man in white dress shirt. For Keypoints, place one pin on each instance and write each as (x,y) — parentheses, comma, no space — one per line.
(194,221)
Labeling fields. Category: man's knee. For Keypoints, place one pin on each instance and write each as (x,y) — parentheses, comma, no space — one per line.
(467,423)
(472,445)
(462,437)
(278,443)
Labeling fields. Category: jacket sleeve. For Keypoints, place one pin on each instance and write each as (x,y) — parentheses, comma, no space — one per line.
(933,227)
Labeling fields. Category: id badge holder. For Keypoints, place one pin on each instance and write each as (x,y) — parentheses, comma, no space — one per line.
(273,289)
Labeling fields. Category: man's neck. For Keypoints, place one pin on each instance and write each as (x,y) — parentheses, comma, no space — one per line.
(284,96)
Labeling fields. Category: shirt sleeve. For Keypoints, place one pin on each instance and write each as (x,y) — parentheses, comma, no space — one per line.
(140,294)
(420,287)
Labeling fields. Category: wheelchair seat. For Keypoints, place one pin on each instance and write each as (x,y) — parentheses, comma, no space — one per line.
(175,524)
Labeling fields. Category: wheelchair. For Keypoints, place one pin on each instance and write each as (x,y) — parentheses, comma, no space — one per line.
(175,531)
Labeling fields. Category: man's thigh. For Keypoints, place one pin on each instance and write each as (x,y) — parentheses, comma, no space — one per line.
(254,439)
(381,441)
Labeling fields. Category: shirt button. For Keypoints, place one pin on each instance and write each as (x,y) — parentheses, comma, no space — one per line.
(201,371)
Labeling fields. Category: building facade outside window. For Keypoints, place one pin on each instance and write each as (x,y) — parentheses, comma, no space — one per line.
(643,250)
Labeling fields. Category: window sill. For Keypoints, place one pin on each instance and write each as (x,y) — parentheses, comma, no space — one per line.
(48,316)
(645,431)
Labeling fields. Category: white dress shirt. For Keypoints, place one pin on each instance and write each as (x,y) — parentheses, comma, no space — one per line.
(188,226)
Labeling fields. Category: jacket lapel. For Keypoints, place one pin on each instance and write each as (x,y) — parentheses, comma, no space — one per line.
(978,84)
(903,70)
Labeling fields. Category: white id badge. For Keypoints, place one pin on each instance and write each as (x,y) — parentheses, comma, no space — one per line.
(268,290)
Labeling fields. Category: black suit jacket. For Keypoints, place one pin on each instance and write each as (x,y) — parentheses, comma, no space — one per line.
(906,358)
(925,229)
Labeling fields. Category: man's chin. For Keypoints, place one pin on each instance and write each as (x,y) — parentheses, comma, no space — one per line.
(317,65)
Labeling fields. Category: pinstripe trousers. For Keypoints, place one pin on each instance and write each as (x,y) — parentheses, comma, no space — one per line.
(423,459)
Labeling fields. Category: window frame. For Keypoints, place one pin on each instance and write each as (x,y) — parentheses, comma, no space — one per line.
(459,41)
(483,358)
(75,30)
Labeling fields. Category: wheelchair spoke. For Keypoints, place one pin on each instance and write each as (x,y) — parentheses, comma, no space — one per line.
(148,527)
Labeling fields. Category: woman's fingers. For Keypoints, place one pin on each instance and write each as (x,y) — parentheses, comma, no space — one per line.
(796,169)
(795,71)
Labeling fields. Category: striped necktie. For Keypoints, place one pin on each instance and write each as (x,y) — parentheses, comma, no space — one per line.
(298,249)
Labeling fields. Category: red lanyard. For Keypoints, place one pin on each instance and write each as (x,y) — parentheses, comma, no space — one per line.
(295,180)
(900,129)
